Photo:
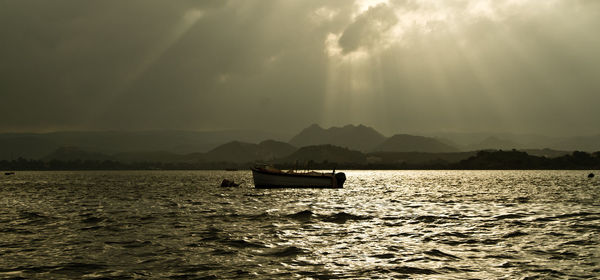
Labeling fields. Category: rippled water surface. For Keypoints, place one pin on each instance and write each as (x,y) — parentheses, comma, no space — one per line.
(383,224)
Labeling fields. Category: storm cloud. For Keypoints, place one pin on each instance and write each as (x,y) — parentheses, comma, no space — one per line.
(398,65)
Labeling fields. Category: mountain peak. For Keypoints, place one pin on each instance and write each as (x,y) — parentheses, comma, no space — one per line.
(315,126)
(360,137)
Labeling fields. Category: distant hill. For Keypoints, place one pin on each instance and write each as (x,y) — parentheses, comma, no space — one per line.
(38,145)
(506,141)
(450,143)
(234,152)
(521,160)
(272,149)
(493,142)
(75,153)
(411,143)
(361,138)
(311,157)
(325,153)
(238,152)
(417,157)
(501,160)
(580,143)
(30,146)
(158,156)
(547,153)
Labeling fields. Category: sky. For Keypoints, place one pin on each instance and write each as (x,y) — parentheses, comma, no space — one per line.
(401,66)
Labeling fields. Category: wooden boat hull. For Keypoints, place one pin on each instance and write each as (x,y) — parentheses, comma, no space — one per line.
(267,180)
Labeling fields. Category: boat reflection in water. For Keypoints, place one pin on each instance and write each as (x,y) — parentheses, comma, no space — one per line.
(270,177)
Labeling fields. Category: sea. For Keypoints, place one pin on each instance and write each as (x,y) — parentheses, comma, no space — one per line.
(381,225)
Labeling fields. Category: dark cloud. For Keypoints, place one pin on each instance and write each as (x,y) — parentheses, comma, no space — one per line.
(423,65)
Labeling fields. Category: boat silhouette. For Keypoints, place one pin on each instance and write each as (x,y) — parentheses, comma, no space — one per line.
(270,177)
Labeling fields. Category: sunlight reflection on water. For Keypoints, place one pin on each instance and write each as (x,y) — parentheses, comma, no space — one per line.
(415,224)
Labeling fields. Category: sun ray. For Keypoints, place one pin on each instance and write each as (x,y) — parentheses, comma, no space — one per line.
(149,58)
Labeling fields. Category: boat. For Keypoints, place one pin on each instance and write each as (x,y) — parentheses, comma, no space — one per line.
(267,177)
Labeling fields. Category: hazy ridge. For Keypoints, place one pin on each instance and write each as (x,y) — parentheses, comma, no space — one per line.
(356,144)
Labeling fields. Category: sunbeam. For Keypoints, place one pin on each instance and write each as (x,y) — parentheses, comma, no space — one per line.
(148,58)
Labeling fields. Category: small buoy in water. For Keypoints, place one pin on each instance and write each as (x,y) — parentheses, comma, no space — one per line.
(591,175)
(228,183)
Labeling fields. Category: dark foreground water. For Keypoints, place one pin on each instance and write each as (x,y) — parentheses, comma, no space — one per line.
(383,224)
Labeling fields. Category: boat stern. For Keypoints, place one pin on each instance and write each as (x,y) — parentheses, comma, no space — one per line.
(340,178)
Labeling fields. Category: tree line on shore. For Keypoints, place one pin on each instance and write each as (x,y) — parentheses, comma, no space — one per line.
(484,160)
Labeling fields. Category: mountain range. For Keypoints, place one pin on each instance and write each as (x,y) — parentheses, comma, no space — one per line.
(357,143)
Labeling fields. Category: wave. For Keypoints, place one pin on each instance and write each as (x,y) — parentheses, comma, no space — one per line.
(564,256)
(514,234)
(221,252)
(130,243)
(60,269)
(195,268)
(510,216)
(92,220)
(288,251)
(80,267)
(412,270)
(585,216)
(251,217)
(580,242)
(31,215)
(241,243)
(547,271)
(449,269)
(454,234)
(384,256)
(15,230)
(91,228)
(343,217)
(429,219)
(438,253)
(302,215)
(33,218)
